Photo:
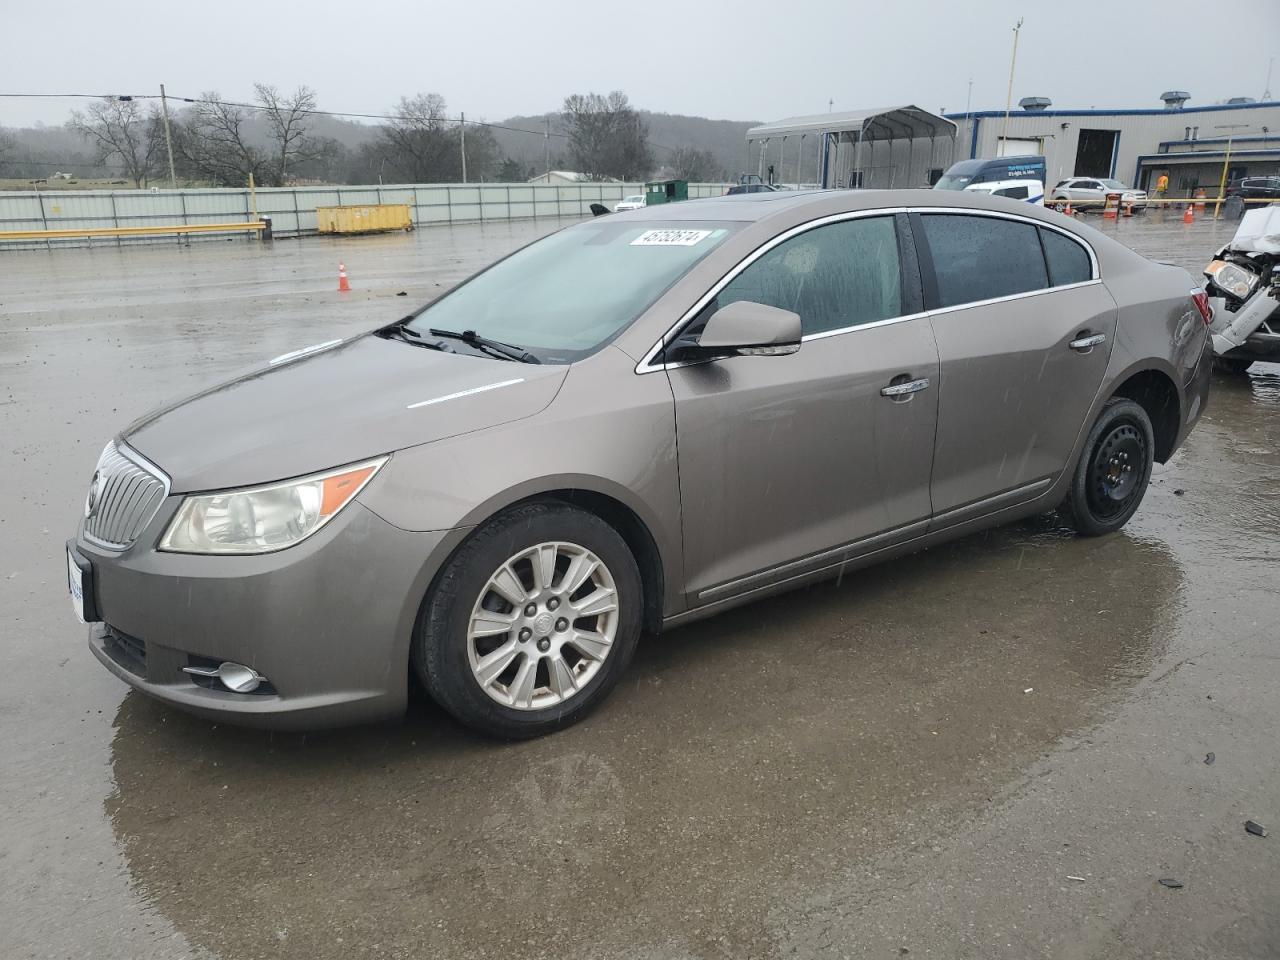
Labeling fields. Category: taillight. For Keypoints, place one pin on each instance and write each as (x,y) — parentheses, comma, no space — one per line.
(1202,304)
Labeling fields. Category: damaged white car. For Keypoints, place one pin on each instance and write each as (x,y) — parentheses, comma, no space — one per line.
(1244,289)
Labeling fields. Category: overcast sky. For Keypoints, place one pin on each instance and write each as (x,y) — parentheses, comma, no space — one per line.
(744,59)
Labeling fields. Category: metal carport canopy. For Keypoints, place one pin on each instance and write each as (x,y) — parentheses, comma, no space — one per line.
(883,123)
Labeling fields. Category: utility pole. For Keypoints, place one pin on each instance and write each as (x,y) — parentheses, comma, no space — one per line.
(1008,102)
(968,120)
(168,141)
(462,133)
(1266,93)
(546,147)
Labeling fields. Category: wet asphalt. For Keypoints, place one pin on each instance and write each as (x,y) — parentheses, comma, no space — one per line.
(916,761)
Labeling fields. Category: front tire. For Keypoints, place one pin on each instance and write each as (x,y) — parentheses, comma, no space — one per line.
(1114,470)
(531,623)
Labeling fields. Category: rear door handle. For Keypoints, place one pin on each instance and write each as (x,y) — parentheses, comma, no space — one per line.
(1085,344)
(903,391)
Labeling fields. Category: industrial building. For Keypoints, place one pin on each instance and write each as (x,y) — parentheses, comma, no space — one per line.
(906,146)
(1189,143)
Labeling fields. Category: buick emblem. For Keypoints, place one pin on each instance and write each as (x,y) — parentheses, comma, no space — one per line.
(95,493)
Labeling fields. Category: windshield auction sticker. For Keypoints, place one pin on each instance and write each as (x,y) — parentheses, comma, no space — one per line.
(670,238)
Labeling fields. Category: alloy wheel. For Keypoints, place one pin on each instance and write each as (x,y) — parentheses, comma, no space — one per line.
(542,626)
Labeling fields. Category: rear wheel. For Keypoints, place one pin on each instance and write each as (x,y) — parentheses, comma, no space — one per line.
(1114,470)
(531,623)
(1232,365)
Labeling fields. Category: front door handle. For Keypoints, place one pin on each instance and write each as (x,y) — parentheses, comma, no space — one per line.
(1087,343)
(904,391)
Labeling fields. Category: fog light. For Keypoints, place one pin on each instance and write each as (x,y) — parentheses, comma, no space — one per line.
(236,677)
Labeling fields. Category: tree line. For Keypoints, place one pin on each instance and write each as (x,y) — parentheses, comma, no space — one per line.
(274,140)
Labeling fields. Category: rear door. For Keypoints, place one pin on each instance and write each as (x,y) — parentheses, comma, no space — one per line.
(1024,332)
(785,459)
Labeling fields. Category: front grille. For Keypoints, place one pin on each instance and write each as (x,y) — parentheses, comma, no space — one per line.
(129,652)
(123,498)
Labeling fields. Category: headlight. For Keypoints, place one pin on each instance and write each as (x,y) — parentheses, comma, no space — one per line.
(1233,278)
(267,518)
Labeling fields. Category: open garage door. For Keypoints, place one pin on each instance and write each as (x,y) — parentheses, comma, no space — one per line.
(1096,153)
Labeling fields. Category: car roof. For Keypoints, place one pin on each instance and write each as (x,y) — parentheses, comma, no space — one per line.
(751,207)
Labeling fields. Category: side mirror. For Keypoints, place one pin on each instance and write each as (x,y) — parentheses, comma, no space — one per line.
(746,327)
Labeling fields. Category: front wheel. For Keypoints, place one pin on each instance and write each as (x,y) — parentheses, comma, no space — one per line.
(531,622)
(1114,470)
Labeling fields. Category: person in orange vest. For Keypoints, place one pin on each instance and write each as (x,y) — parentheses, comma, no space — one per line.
(1162,185)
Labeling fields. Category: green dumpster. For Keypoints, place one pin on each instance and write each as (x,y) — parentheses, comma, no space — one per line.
(665,191)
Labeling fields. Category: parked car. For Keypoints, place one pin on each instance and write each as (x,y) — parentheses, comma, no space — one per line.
(633,423)
(1094,191)
(633,202)
(960,176)
(738,188)
(1032,191)
(1255,188)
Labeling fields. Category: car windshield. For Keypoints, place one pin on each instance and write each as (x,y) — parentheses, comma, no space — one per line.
(568,294)
(956,181)
(1114,185)
(634,198)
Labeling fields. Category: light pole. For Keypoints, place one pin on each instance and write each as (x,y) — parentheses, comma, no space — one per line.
(1008,102)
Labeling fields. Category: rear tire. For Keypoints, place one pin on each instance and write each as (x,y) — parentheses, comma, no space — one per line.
(518,656)
(1114,470)
(1232,365)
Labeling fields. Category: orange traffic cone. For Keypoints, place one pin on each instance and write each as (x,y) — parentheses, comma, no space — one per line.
(344,285)
(1068,211)
(1128,208)
(1188,215)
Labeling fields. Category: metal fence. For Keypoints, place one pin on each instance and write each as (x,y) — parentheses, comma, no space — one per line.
(293,209)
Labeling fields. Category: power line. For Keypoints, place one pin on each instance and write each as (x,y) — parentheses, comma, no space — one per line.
(317,112)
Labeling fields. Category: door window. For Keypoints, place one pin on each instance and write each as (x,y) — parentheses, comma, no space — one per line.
(1014,193)
(835,276)
(1068,261)
(981,258)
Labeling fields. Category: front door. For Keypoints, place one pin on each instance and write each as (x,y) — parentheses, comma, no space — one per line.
(1024,334)
(785,458)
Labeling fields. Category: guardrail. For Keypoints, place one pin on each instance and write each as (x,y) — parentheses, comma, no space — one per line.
(262,227)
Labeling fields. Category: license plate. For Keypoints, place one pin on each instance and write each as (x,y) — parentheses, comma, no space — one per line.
(75,586)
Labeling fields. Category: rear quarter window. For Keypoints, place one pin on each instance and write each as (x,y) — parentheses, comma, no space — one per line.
(982,258)
(1067,260)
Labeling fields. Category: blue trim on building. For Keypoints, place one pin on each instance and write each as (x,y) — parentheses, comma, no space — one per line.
(1151,112)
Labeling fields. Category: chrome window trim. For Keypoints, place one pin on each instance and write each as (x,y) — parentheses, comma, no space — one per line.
(647,364)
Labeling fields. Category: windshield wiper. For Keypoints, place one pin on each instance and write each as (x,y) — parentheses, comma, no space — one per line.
(400,331)
(495,348)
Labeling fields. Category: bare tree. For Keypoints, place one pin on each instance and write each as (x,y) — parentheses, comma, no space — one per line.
(119,130)
(213,144)
(607,138)
(287,118)
(699,166)
(416,145)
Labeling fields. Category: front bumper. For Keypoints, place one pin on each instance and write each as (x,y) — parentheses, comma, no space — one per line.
(328,622)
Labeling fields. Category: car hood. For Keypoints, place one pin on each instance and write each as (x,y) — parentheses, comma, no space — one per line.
(317,409)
